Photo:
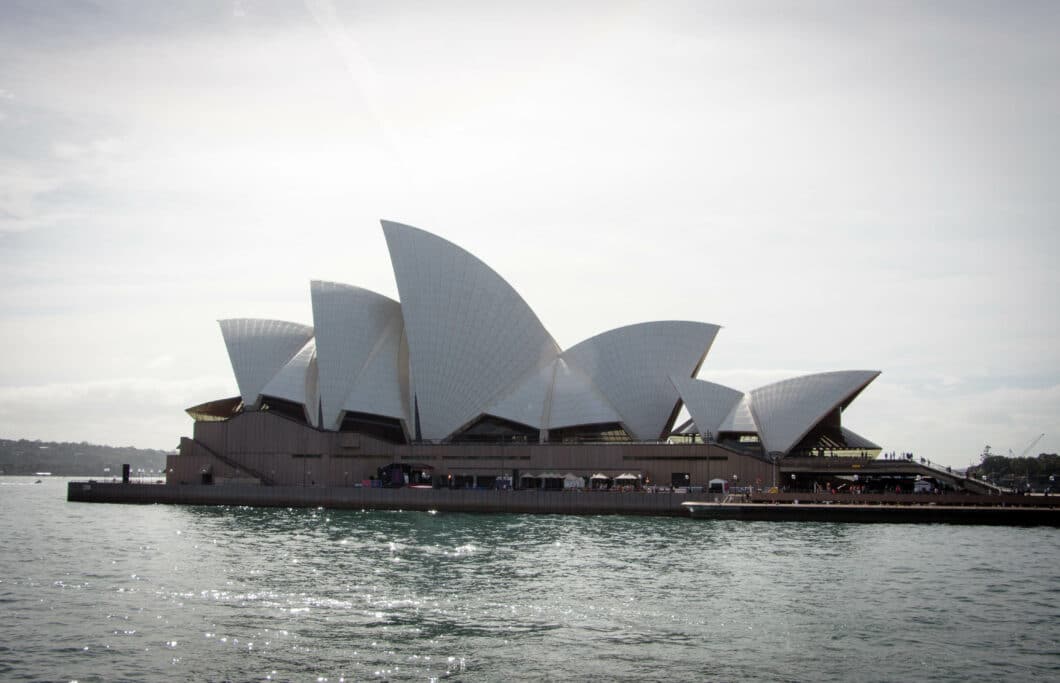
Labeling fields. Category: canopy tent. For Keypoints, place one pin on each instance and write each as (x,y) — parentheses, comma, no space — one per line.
(551,481)
(599,481)
(627,481)
(573,481)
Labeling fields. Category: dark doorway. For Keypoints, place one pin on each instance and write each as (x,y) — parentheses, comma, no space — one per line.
(680,479)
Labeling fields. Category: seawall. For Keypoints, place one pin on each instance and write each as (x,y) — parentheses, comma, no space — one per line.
(443,500)
(1010,510)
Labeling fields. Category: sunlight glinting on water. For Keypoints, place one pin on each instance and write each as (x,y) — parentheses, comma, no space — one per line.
(104,592)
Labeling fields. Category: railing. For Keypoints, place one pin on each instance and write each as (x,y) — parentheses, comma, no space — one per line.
(267,480)
(921,465)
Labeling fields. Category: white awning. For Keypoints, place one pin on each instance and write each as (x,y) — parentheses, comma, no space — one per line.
(627,476)
(600,475)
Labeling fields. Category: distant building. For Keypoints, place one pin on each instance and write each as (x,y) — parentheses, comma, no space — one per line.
(462,382)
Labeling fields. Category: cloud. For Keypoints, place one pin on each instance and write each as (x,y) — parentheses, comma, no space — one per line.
(164,361)
(94,151)
(32,189)
(21,188)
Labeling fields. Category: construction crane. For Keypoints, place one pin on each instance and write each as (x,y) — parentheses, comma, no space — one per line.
(1031,445)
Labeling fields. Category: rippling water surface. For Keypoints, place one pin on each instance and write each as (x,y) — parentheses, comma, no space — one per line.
(106,592)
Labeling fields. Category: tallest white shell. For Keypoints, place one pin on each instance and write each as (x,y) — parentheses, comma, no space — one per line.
(471,337)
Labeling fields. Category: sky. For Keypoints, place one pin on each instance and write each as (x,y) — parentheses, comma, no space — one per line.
(838,185)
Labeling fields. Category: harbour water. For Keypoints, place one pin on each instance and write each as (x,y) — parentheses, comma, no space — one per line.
(98,592)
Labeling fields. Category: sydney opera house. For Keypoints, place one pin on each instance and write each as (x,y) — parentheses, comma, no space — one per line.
(460,384)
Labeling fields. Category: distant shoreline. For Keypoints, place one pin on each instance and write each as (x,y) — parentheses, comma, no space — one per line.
(26,457)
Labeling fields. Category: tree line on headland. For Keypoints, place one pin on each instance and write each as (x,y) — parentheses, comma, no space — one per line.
(75,459)
(1024,473)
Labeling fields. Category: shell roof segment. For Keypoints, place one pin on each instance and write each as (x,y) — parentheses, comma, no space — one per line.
(857,441)
(297,381)
(463,343)
(526,402)
(575,400)
(740,418)
(632,366)
(471,337)
(787,410)
(259,348)
(708,403)
(351,323)
(381,386)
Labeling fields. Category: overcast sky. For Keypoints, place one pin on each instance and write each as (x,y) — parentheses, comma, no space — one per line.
(840,186)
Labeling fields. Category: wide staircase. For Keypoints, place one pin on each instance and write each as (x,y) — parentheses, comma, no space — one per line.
(234,464)
(874,466)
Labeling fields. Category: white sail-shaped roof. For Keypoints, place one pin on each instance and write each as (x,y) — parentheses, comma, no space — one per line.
(526,402)
(632,367)
(553,396)
(378,388)
(463,343)
(786,411)
(471,337)
(259,349)
(708,403)
(740,418)
(297,381)
(575,401)
(350,324)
